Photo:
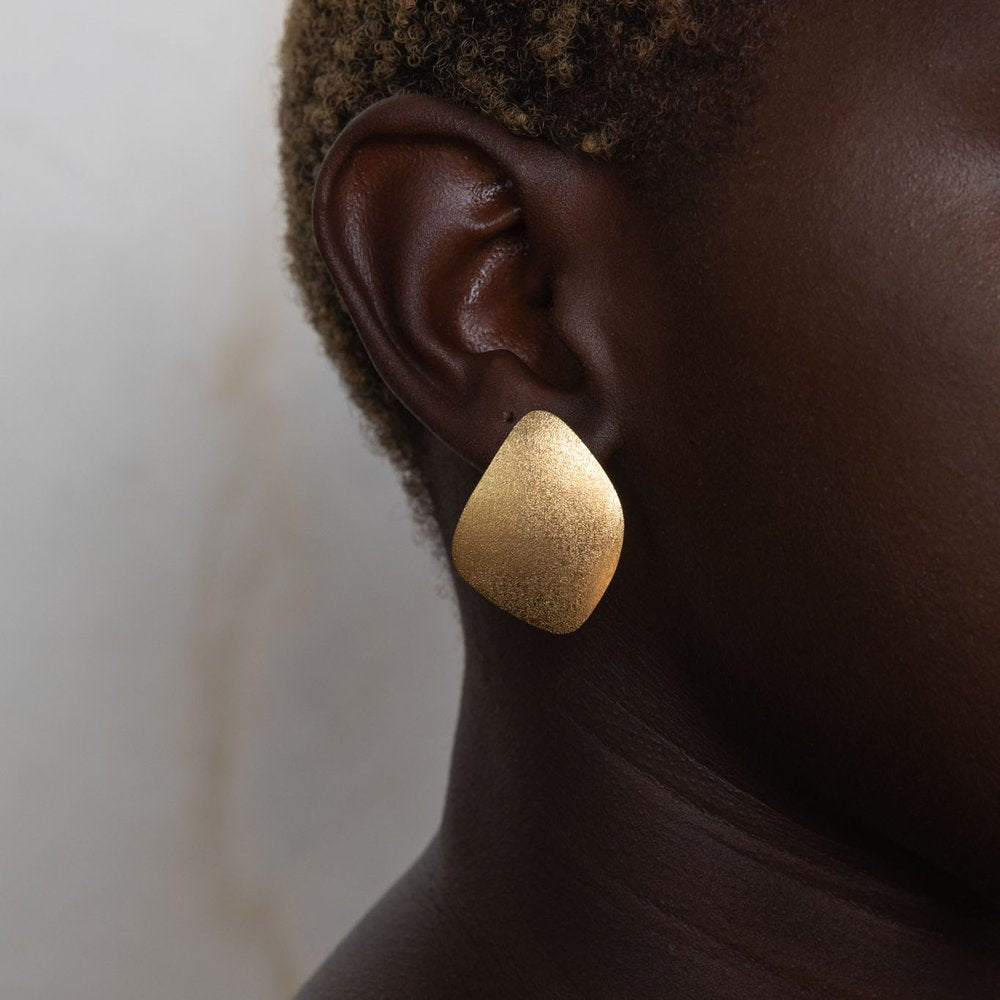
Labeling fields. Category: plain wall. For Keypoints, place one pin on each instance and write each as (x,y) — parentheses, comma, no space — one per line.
(228,672)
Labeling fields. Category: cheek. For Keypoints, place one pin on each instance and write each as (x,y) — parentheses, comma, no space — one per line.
(839,390)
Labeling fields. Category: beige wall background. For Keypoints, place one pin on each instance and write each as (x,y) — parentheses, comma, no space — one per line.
(228,672)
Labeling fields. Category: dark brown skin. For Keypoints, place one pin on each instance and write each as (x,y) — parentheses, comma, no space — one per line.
(769,765)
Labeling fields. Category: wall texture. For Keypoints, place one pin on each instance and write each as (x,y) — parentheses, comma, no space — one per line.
(229,673)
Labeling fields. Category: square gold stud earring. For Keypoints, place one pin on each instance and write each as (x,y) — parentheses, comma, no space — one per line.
(542,532)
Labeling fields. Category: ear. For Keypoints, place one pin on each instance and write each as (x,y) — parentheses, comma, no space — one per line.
(470,261)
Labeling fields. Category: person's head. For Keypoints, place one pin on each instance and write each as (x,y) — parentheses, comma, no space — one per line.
(750,252)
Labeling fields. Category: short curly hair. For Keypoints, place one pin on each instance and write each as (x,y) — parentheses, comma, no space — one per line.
(648,84)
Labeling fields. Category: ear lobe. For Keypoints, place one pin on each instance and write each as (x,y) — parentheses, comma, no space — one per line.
(420,215)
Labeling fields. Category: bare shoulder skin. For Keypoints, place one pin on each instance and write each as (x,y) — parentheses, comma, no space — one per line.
(769,765)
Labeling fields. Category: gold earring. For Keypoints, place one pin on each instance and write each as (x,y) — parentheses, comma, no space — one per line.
(541,534)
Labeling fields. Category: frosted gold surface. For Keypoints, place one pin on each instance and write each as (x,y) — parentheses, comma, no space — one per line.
(541,534)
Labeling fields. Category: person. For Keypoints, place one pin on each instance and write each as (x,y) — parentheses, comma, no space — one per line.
(749,252)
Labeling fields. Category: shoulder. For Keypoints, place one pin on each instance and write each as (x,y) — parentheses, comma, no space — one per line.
(406,946)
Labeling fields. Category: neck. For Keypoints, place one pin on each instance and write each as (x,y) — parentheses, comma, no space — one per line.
(602,838)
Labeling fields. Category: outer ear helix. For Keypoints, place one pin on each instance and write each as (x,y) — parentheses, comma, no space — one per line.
(542,532)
